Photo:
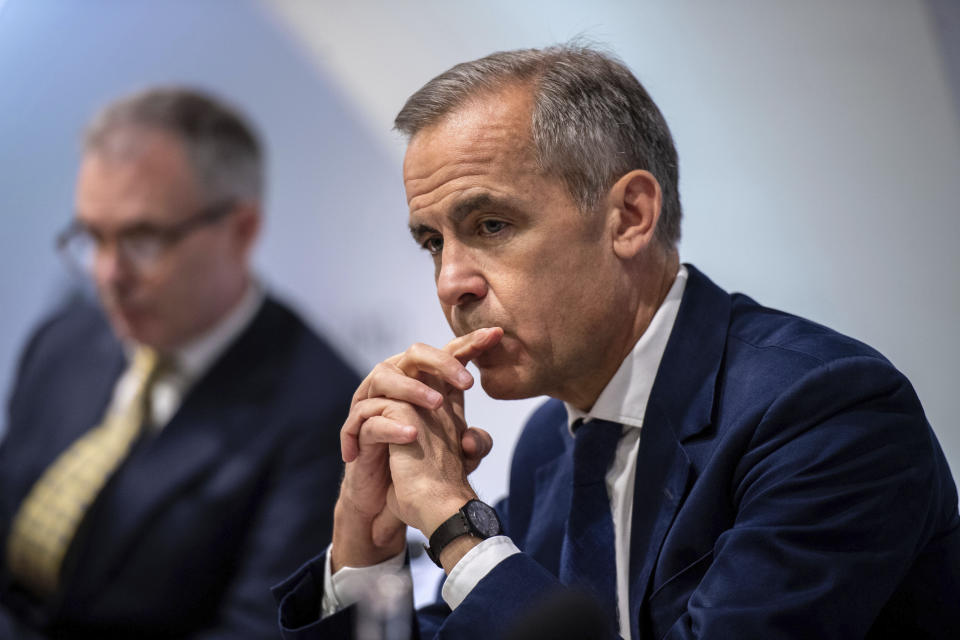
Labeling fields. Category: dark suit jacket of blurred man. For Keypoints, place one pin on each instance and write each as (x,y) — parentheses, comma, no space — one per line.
(204,516)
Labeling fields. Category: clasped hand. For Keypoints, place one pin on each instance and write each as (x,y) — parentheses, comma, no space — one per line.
(407,449)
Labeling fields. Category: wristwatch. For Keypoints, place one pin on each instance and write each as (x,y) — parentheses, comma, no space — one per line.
(474,518)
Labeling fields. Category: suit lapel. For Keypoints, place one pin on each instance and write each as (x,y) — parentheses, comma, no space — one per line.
(663,471)
(83,397)
(103,371)
(551,506)
(680,408)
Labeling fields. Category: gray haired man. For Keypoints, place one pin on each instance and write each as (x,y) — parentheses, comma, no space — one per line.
(705,467)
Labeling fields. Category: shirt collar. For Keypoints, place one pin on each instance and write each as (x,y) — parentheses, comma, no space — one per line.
(192,360)
(624,399)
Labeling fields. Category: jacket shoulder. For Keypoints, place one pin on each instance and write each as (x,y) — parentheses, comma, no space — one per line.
(72,327)
(303,363)
(764,329)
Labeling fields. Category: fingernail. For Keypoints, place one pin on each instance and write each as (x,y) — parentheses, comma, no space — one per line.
(434,397)
(409,432)
(464,378)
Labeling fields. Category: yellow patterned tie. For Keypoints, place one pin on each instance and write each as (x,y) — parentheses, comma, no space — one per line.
(51,513)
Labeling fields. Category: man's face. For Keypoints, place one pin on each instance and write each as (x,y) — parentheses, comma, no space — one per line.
(512,249)
(193,280)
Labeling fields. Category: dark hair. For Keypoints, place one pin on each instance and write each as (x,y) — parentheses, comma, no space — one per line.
(222,147)
(592,119)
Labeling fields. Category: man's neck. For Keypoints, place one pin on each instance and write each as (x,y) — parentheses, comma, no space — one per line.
(196,354)
(654,278)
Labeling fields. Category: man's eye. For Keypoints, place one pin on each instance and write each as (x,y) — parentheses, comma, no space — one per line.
(142,244)
(433,244)
(490,227)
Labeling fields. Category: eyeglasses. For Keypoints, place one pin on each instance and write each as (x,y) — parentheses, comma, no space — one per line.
(141,245)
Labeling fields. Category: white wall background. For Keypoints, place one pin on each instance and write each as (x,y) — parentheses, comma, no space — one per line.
(819,145)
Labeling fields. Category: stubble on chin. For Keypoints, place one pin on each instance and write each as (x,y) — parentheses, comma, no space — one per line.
(506,373)
(500,385)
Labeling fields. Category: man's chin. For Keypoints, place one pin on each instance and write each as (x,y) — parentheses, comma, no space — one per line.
(123,329)
(130,328)
(504,383)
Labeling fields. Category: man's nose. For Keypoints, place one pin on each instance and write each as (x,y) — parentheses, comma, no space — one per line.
(459,279)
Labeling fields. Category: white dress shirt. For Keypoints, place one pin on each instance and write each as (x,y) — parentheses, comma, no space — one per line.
(189,362)
(623,400)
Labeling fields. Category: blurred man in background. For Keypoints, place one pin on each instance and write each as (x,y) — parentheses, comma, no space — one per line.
(171,452)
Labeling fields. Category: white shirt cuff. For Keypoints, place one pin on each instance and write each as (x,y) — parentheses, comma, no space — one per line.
(349,584)
(473,567)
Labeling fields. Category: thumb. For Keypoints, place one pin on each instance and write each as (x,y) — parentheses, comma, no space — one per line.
(386,527)
(475,444)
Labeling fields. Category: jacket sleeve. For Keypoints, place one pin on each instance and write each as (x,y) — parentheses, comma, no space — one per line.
(299,600)
(491,610)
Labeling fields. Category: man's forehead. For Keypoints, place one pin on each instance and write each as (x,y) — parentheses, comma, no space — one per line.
(485,142)
(485,120)
(152,183)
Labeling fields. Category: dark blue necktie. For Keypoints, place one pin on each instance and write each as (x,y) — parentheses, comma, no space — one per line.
(587,559)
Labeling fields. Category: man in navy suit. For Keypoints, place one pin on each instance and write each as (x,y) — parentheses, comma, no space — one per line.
(234,469)
(706,467)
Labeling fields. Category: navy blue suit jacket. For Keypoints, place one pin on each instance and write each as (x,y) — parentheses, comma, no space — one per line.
(202,518)
(788,486)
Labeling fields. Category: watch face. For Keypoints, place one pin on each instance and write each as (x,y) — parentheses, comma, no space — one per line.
(483,518)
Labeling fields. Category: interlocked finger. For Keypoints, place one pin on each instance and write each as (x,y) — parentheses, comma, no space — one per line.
(367,425)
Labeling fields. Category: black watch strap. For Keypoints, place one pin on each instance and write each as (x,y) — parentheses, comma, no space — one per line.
(460,524)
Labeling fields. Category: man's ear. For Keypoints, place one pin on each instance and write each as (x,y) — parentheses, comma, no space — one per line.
(246,227)
(634,205)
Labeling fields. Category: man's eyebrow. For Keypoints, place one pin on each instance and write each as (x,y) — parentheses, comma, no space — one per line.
(470,204)
(464,208)
(138,226)
(420,230)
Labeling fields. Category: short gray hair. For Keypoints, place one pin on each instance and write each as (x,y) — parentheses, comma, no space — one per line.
(221,145)
(592,119)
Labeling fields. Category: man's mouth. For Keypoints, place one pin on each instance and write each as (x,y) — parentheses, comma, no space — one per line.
(495,355)
(126,310)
